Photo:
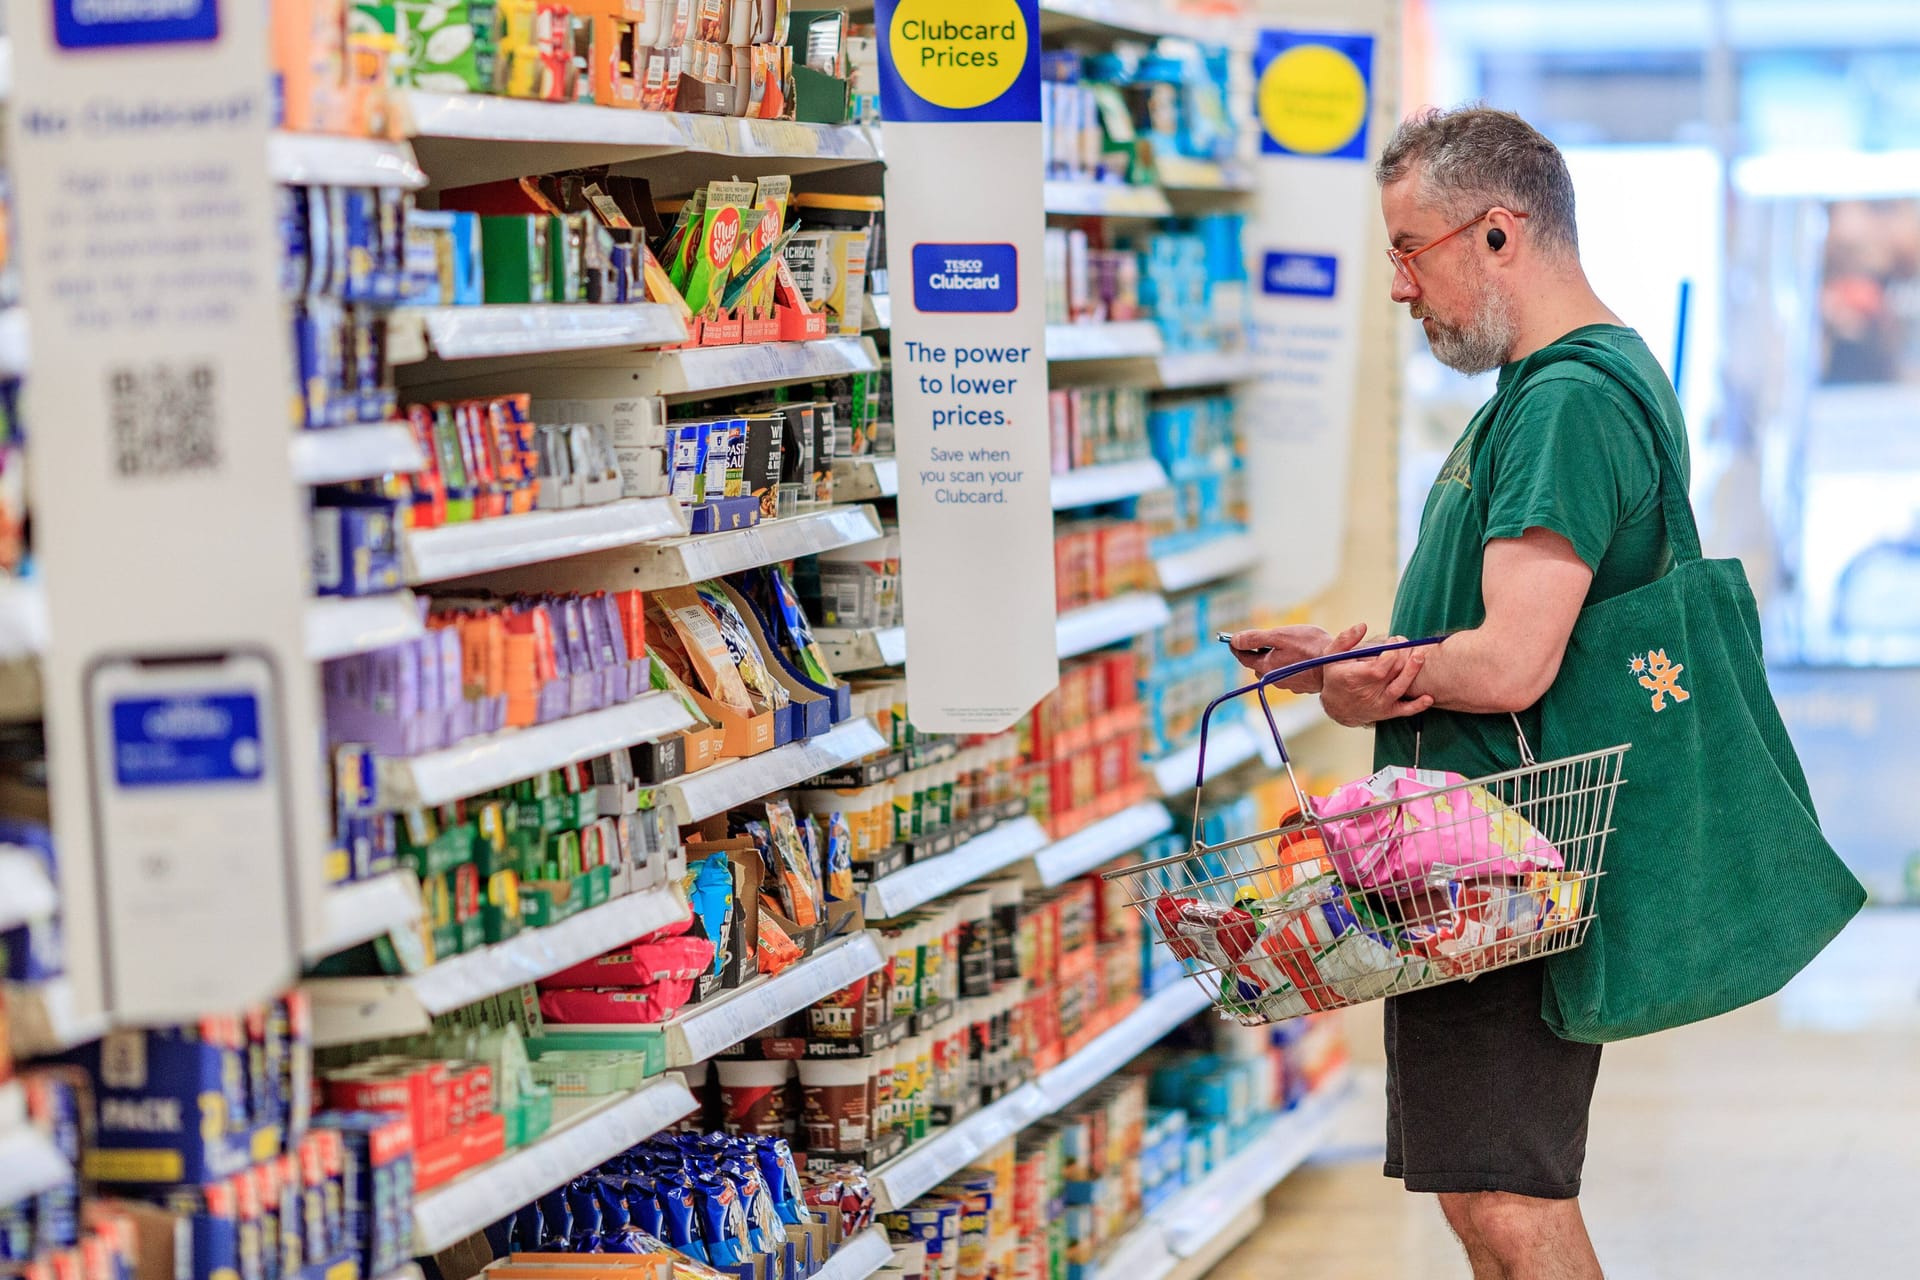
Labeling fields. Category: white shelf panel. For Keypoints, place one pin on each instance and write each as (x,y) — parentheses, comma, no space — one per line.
(1153,18)
(527,329)
(340,454)
(1181,369)
(482,764)
(27,894)
(1108,482)
(849,650)
(368,909)
(698,796)
(29,1162)
(707,370)
(23,619)
(982,856)
(449,1214)
(1172,1234)
(486,546)
(866,479)
(1133,340)
(45,1019)
(1231,745)
(1294,714)
(705,1029)
(1207,562)
(348,1010)
(327,160)
(859,1257)
(1183,175)
(1107,200)
(1121,1043)
(1110,621)
(677,562)
(483,117)
(1101,843)
(16,352)
(339,626)
(925,1165)
(878,315)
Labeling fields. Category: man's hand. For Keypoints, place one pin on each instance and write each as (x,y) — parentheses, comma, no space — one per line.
(1290,645)
(1368,690)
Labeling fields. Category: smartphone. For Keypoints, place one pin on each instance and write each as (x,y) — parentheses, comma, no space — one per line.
(191,832)
(1226,638)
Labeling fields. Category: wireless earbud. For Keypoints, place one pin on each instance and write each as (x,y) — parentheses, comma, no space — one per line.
(1496,239)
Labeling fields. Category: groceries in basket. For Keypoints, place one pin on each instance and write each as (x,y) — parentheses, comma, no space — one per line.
(1404,827)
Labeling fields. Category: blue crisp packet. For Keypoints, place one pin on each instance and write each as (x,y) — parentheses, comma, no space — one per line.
(559,1217)
(677,1215)
(723,1220)
(775,1156)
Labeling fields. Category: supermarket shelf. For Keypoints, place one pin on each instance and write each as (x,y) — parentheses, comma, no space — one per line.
(327,160)
(482,764)
(27,894)
(339,626)
(447,1215)
(23,619)
(1133,340)
(485,546)
(1183,175)
(982,856)
(859,1257)
(1207,562)
(1232,744)
(877,315)
(1110,621)
(1108,482)
(43,1020)
(16,353)
(870,650)
(366,910)
(705,1029)
(677,562)
(29,1162)
(1181,369)
(925,1165)
(706,370)
(340,454)
(499,330)
(698,796)
(1293,714)
(1107,200)
(866,479)
(1151,18)
(6,67)
(1186,1225)
(348,1010)
(1101,843)
(1121,1043)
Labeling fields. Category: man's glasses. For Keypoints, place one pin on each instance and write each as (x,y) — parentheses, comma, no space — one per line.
(1403,262)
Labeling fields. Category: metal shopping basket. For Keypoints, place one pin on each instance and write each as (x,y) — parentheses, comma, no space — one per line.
(1433,881)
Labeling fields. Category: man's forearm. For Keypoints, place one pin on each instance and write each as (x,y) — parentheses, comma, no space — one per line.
(1483,673)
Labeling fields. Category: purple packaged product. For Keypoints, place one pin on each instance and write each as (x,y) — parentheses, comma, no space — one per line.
(309,368)
(634,1240)
(643,1205)
(526,1233)
(361,225)
(391,270)
(290,209)
(452,676)
(557,1209)
(614,1214)
(588,691)
(588,1222)
(375,399)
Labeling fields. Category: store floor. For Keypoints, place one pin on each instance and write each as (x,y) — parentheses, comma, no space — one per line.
(1781,1141)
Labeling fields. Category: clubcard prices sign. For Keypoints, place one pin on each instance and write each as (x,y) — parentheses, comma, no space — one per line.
(960,90)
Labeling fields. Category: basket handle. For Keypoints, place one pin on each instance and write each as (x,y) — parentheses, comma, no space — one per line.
(1259,688)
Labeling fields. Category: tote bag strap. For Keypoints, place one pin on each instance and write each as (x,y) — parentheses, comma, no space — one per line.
(1683,533)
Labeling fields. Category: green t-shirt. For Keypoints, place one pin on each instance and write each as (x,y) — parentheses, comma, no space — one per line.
(1570,452)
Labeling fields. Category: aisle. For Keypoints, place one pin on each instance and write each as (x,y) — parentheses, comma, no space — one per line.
(1740,1148)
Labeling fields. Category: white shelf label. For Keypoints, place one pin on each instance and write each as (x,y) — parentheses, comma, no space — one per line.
(1101,843)
(701,795)
(1109,622)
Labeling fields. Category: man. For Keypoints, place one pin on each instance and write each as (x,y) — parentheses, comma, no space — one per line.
(1549,502)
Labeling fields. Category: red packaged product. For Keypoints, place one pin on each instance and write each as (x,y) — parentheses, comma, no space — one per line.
(639,964)
(656,1003)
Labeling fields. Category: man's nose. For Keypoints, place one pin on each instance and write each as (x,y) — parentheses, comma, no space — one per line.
(1404,290)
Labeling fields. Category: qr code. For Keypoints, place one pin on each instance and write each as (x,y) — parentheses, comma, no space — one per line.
(165,419)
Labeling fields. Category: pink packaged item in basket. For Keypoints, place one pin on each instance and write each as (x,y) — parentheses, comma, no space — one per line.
(1456,835)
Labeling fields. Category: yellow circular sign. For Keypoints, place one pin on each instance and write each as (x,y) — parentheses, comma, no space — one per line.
(1313,100)
(958,54)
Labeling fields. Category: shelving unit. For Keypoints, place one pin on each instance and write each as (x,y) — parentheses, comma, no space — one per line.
(1231,745)
(1206,562)
(328,160)
(346,1010)
(1106,200)
(984,855)
(498,759)
(497,331)
(1090,849)
(29,1161)
(855,650)
(1110,621)
(1120,1044)
(677,562)
(859,1257)
(23,619)
(598,1131)
(865,479)
(43,1019)
(701,795)
(701,371)
(1183,370)
(1131,340)
(26,893)
(338,626)
(368,909)
(1108,482)
(488,546)
(340,454)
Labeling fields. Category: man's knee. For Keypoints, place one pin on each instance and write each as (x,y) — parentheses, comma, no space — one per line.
(1508,1224)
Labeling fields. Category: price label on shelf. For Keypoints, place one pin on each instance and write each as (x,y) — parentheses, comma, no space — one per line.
(966,217)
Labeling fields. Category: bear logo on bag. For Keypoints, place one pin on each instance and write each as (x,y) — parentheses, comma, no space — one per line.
(1660,676)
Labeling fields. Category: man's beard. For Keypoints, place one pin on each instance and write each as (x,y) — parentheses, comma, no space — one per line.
(1484,342)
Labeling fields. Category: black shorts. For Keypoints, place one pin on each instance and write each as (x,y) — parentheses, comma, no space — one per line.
(1481,1095)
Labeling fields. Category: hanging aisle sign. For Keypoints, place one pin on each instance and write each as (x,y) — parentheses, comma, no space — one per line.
(1313,100)
(960,93)
(184,749)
